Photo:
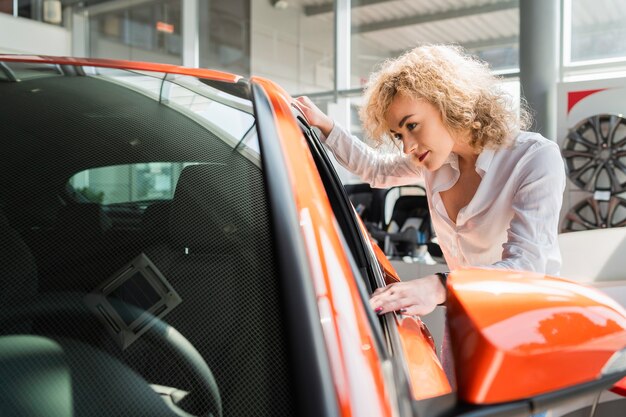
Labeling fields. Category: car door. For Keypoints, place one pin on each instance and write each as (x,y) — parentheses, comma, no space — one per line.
(343,347)
(407,338)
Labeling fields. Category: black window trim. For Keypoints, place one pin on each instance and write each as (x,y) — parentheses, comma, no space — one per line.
(343,212)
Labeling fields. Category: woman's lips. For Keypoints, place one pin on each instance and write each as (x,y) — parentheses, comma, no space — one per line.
(422,156)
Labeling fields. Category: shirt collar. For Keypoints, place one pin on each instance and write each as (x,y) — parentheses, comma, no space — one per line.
(447,175)
(453,161)
(484,161)
(482,166)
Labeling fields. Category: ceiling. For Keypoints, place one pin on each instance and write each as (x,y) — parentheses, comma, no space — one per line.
(398,25)
(489,28)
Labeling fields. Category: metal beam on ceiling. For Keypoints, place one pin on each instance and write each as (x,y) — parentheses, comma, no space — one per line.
(316,9)
(492,43)
(113,6)
(80,3)
(434,17)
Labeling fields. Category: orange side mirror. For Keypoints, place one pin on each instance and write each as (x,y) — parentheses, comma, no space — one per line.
(544,333)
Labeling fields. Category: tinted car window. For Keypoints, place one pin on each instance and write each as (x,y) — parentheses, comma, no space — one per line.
(105,171)
(130,183)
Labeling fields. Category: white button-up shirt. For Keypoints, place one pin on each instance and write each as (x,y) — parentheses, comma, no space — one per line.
(512,220)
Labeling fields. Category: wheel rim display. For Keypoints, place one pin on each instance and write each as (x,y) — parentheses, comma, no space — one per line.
(596,214)
(595,153)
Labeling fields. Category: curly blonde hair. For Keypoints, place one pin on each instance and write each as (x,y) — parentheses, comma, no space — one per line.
(462,88)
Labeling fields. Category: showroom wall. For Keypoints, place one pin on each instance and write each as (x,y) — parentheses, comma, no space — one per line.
(290,48)
(146,31)
(295,47)
(21,35)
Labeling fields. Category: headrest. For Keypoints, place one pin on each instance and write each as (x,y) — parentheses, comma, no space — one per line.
(211,210)
(154,221)
(409,206)
(83,219)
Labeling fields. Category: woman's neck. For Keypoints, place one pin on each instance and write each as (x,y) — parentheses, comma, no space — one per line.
(467,154)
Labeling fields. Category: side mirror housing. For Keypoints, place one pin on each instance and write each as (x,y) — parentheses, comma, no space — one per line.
(519,335)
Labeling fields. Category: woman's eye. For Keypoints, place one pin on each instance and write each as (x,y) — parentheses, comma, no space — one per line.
(411,126)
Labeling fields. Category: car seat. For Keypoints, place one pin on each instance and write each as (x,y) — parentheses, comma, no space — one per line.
(154,221)
(408,227)
(411,218)
(217,254)
(75,253)
(18,274)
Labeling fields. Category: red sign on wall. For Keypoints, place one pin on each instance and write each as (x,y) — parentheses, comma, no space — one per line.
(164,27)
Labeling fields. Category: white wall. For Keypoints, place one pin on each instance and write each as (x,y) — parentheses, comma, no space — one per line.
(20,35)
(294,50)
(297,51)
(105,48)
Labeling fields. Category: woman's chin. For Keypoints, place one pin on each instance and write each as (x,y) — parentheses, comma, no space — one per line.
(431,168)
(430,165)
(427,163)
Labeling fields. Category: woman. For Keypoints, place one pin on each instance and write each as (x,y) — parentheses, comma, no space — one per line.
(494,191)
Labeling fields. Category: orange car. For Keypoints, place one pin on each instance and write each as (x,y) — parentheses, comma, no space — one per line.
(175,242)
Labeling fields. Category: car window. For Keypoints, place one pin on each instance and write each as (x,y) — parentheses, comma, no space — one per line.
(346,214)
(23,71)
(228,116)
(393,194)
(131,194)
(366,269)
(129,183)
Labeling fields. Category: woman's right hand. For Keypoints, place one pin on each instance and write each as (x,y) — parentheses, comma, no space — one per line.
(314,115)
(417,297)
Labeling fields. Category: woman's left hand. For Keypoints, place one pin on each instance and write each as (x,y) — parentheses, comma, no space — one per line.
(416,297)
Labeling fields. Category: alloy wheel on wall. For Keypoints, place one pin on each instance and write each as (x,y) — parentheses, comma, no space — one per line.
(595,153)
(595,214)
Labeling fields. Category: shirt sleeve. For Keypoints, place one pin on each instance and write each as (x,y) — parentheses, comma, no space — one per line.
(532,237)
(379,169)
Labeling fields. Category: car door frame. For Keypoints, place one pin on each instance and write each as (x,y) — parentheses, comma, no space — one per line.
(386,326)
(311,367)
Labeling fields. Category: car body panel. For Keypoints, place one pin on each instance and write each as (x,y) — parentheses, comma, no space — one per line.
(516,334)
(119,64)
(620,387)
(605,270)
(426,374)
(425,371)
(349,339)
(391,275)
(389,272)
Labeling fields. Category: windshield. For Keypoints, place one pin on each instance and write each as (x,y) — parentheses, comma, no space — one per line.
(130,198)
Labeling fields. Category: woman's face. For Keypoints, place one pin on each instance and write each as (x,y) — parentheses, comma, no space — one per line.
(419,126)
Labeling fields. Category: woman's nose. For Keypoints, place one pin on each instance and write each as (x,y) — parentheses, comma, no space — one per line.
(408,145)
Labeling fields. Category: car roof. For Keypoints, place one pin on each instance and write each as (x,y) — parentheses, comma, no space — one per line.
(50,119)
(121,64)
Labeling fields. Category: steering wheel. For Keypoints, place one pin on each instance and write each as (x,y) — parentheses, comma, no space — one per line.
(176,346)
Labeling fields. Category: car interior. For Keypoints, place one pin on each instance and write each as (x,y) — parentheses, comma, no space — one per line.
(114,209)
(398,218)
